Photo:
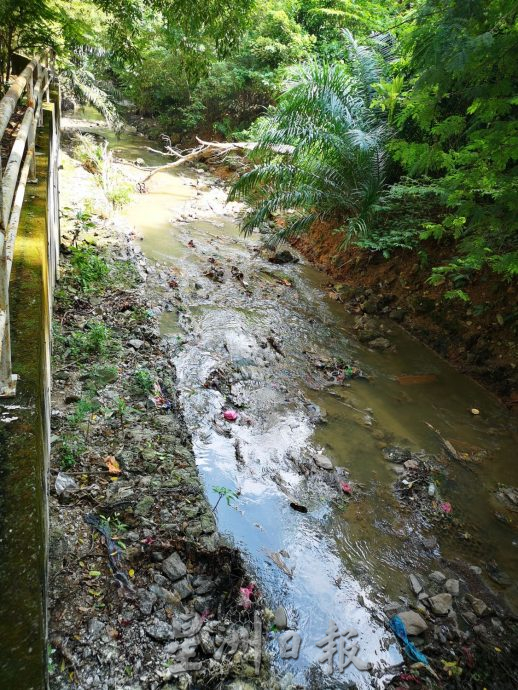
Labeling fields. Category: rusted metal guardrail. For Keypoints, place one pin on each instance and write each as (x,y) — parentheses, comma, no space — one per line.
(34,83)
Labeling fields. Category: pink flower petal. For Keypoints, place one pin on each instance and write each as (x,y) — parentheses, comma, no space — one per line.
(346,488)
(446,507)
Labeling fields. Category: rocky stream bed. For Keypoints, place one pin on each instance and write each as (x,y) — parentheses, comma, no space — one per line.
(160,391)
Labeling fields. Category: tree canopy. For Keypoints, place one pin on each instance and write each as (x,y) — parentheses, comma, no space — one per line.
(409,138)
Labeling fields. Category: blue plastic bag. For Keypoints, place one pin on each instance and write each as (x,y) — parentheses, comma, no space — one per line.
(399,630)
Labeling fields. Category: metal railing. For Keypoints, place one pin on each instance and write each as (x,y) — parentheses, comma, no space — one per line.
(20,168)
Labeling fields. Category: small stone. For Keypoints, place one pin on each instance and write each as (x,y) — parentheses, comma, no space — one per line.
(478,606)
(283,257)
(475,569)
(323,462)
(174,567)
(438,577)
(380,344)
(395,454)
(160,631)
(146,601)
(422,596)
(429,543)
(370,306)
(206,642)
(183,588)
(397,315)
(470,617)
(415,584)
(280,619)
(452,586)
(203,584)
(164,594)
(441,603)
(95,627)
(135,343)
(411,465)
(415,624)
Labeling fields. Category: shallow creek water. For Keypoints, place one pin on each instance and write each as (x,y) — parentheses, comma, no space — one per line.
(346,559)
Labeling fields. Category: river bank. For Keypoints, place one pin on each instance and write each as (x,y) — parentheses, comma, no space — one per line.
(137,567)
(330,520)
(478,337)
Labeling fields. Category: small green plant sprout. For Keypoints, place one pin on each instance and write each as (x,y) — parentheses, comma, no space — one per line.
(83,222)
(70,451)
(84,412)
(95,339)
(114,523)
(225,493)
(51,664)
(90,270)
(121,410)
(144,380)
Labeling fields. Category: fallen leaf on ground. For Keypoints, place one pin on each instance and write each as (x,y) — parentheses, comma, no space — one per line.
(112,465)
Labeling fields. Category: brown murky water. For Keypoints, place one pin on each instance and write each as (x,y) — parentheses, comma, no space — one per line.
(346,559)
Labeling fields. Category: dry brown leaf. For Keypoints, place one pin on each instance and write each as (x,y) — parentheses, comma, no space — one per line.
(112,465)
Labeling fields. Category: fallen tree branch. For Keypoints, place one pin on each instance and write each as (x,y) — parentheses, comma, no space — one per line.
(206,149)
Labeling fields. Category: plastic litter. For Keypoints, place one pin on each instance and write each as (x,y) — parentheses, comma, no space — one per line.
(399,630)
(346,488)
(230,415)
(431,489)
(64,483)
(246,593)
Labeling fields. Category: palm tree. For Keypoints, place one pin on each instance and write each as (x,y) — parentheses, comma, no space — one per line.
(321,150)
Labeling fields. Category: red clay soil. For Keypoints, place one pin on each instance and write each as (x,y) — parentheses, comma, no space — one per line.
(478,337)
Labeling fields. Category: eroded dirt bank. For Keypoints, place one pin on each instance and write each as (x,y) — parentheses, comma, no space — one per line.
(479,338)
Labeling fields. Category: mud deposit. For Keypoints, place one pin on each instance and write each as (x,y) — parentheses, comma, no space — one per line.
(352,452)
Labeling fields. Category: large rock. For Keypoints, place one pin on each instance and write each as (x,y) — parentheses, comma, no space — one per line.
(415,624)
(174,567)
(441,603)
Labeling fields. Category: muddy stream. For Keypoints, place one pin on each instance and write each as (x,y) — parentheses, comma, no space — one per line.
(264,340)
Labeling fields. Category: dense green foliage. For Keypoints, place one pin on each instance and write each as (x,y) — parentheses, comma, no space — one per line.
(412,139)
(458,125)
(321,149)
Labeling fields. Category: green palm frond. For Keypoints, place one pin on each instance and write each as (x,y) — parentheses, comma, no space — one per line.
(320,151)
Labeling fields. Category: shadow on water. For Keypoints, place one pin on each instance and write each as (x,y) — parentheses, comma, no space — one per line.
(23,453)
(341,560)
